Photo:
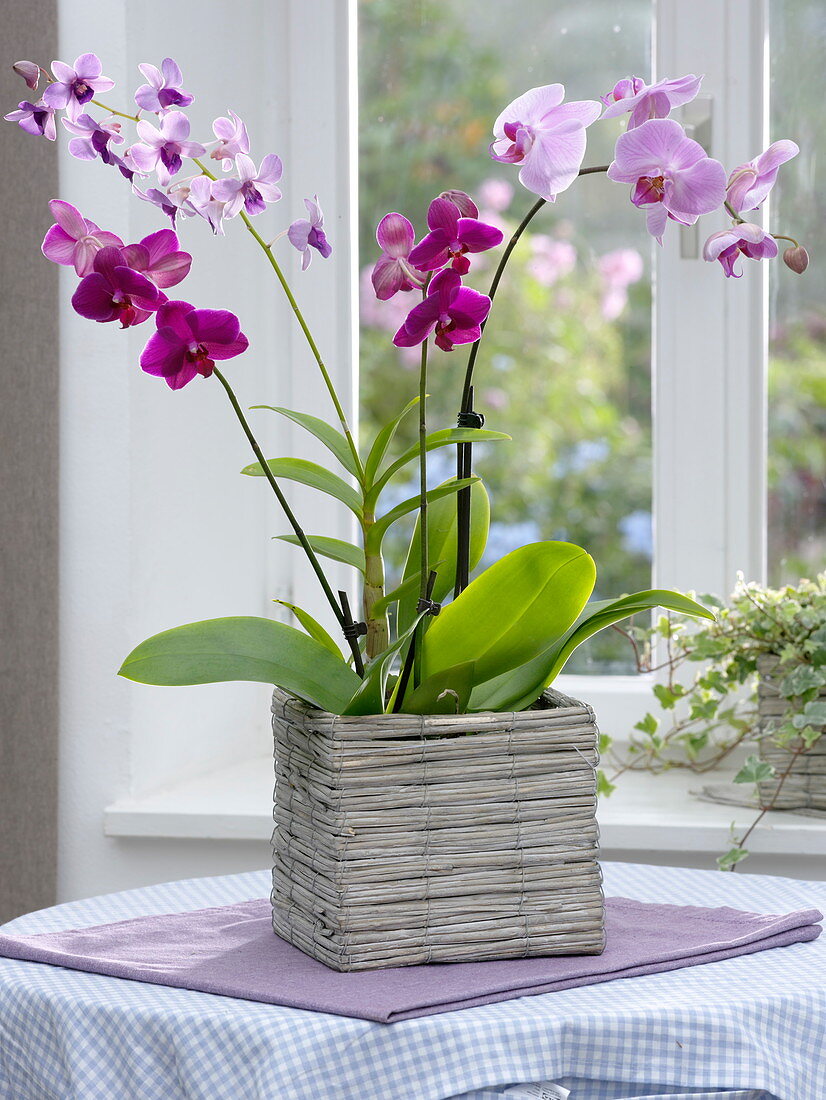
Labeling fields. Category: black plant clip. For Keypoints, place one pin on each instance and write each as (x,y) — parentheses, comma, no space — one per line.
(471,419)
(352,630)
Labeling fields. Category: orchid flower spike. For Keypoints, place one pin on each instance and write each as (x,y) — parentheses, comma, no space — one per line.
(74,86)
(545,136)
(646,101)
(164,89)
(749,184)
(745,239)
(305,234)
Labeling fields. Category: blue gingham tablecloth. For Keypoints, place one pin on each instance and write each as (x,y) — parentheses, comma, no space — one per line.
(749,1028)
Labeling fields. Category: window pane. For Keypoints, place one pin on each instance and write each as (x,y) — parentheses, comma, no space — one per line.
(797,350)
(565,364)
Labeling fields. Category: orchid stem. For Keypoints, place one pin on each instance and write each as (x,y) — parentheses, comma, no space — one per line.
(781,237)
(112,111)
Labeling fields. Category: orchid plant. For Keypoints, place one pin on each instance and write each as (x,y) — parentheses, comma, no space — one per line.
(506,634)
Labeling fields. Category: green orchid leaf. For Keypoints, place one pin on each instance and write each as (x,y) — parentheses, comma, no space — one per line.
(441,539)
(312,626)
(518,689)
(512,612)
(383,441)
(369,698)
(310,473)
(444,438)
(376,533)
(335,549)
(244,648)
(405,589)
(332,439)
(447,692)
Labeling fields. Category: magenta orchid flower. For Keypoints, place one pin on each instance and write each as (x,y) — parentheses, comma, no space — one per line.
(162,150)
(451,237)
(159,258)
(203,202)
(164,89)
(29,72)
(74,241)
(393,271)
(305,234)
(455,312)
(232,139)
(545,136)
(462,201)
(114,292)
(749,184)
(671,174)
(173,203)
(253,189)
(646,101)
(189,340)
(37,119)
(745,239)
(92,138)
(74,86)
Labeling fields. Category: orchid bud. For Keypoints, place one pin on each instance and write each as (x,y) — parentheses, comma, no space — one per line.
(29,71)
(797,259)
(463,203)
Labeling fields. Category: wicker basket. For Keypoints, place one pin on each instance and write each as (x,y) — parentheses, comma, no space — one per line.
(805,786)
(402,840)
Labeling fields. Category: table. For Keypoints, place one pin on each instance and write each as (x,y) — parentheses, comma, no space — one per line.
(752,1023)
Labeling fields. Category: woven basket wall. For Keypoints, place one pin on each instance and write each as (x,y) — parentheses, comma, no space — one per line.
(402,840)
(805,786)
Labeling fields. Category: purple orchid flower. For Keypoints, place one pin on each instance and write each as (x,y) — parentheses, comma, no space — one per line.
(456,313)
(646,101)
(393,271)
(304,234)
(545,136)
(745,239)
(203,202)
(73,87)
(114,292)
(189,340)
(462,201)
(92,138)
(671,174)
(252,190)
(74,241)
(173,203)
(29,72)
(159,258)
(749,184)
(162,150)
(232,139)
(164,88)
(451,237)
(37,119)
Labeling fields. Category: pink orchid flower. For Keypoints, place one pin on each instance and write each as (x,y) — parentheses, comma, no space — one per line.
(232,139)
(188,341)
(393,271)
(305,234)
(29,72)
(646,101)
(174,203)
(164,89)
(92,138)
(203,202)
(74,241)
(462,201)
(671,174)
(745,239)
(37,119)
(253,189)
(545,136)
(749,184)
(451,237)
(161,150)
(73,87)
(455,312)
(114,292)
(159,258)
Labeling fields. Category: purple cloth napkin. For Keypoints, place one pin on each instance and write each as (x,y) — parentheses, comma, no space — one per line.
(231,950)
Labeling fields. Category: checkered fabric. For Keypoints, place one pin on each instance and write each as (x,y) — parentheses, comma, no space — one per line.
(749,1028)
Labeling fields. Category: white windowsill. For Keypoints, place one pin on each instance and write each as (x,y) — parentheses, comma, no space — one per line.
(645,813)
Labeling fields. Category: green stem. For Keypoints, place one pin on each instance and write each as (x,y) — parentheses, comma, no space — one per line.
(112,111)
(780,237)
(733,213)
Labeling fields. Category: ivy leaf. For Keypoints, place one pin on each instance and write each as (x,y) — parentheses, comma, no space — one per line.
(668,696)
(754,770)
(731,858)
(801,679)
(604,786)
(649,724)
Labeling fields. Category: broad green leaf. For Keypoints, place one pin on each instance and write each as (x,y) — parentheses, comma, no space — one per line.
(445,693)
(335,549)
(517,690)
(444,438)
(376,533)
(244,648)
(754,770)
(512,612)
(310,473)
(732,857)
(441,539)
(369,697)
(312,626)
(332,439)
(382,442)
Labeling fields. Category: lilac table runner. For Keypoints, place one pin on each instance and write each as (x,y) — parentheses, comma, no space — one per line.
(231,950)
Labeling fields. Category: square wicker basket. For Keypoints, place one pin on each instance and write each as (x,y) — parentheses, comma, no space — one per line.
(402,840)
(804,788)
